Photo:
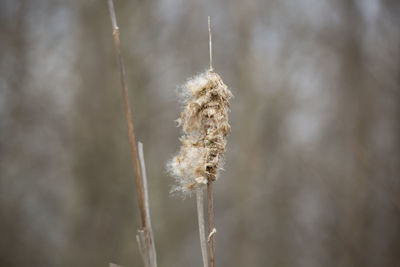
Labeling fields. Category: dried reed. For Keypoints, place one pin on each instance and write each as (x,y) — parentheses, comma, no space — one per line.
(145,234)
(205,126)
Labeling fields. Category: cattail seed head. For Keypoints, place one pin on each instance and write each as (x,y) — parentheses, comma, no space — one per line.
(205,126)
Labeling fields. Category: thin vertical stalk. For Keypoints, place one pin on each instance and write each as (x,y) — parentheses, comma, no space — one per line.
(128,115)
(149,240)
(210,42)
(202,231)
(211,228)
(145,234)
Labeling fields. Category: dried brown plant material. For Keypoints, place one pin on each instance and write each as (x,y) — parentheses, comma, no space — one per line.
(205,126)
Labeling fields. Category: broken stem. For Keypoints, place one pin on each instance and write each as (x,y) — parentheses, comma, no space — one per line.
(149,237)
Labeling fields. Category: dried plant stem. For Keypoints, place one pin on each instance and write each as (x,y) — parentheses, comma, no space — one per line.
(210,42)
(149,237)
(211,228)
(202,231)
(210,181)
(128,115)
(145,232)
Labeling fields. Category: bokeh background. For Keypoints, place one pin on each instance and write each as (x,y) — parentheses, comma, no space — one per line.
(312,173)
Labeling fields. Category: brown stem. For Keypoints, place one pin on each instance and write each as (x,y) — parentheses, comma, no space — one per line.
(202,231)
(211,229)
(211,221)
(128,115)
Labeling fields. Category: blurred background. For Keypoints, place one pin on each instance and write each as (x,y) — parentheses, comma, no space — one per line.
(312,173)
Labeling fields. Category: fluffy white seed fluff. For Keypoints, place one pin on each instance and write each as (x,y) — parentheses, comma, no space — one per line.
(205,126)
